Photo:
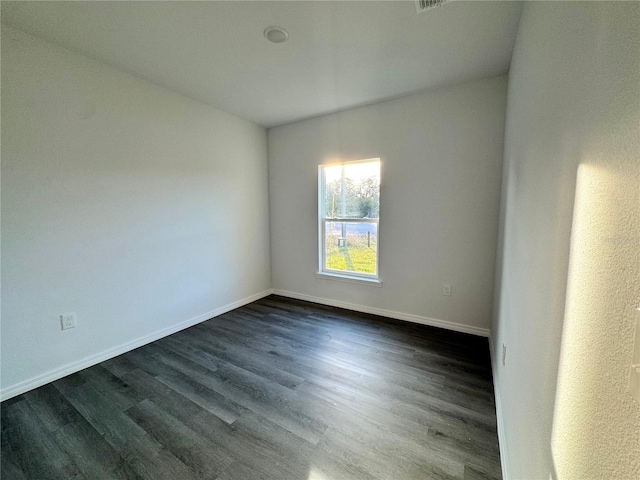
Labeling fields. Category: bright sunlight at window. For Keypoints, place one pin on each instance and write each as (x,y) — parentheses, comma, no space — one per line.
(348,214)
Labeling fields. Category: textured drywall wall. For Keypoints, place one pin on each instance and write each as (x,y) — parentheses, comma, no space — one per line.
(568,271)
(132,206)
(441,155)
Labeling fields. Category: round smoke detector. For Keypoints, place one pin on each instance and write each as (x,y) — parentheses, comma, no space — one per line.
(276,34)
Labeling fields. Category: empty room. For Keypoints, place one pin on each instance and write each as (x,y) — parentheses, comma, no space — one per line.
(320,240)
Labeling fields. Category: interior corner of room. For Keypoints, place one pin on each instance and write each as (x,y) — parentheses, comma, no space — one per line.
(144,210)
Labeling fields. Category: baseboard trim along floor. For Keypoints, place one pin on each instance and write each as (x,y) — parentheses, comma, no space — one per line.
(76,366)
(407,317)
(277,389)
(504,454)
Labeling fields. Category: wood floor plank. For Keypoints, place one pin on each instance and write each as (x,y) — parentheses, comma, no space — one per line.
(386,459)
(119,366)
(244,358)
(192,351)
(101,413)
(52,409)
(252,446)
(8,469)
(34,450)
(201,457)
(269,400)
(118,392)
(238,470)
(149,460)
(278,389)
(93,456)
(481,458)
(149,387)
(205,394)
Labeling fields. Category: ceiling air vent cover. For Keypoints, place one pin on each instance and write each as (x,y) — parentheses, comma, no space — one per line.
(424,5)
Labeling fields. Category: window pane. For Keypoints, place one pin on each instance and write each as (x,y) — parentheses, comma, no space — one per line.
(351,247)
(352,190)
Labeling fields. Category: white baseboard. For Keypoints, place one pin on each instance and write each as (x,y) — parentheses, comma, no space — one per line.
(86,362)
(502,442)
(76,366)
(433,322)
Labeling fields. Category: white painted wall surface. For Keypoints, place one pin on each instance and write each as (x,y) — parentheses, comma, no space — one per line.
(132,206)
(441,155)
(568,275)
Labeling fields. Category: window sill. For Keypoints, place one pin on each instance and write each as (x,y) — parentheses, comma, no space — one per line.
(372,282)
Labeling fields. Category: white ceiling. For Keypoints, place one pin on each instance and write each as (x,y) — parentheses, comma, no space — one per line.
(339,54)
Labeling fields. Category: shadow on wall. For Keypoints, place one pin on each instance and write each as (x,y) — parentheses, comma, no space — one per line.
(596,421)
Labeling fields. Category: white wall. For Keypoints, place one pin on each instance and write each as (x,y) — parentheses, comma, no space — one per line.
(568,274)
(441,157)
(132,206)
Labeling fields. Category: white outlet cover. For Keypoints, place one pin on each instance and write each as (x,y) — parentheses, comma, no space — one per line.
(68,320)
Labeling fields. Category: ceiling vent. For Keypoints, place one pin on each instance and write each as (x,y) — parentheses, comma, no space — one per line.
(424,5)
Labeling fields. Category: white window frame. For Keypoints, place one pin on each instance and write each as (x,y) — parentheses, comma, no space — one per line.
(323,272)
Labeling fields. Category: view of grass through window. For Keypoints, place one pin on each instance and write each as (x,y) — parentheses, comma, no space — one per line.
(349,210)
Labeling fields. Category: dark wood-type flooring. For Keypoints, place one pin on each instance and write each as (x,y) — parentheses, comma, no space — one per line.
(279,389)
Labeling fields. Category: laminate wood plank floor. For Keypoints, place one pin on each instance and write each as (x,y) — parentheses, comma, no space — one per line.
(279,389)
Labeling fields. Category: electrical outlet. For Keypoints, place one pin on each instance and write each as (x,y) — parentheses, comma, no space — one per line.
(68,320)
(446,290)
(504,354)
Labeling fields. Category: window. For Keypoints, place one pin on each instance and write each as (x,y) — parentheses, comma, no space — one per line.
(348,219)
